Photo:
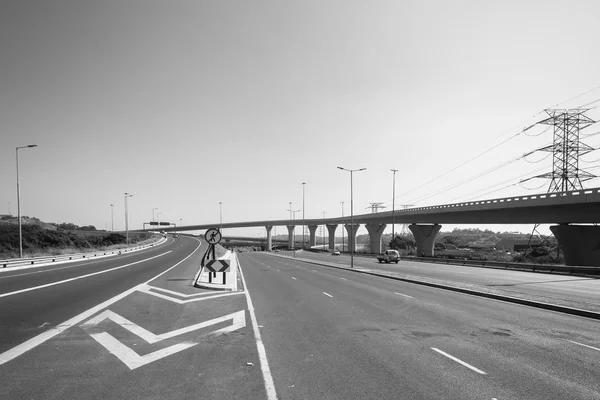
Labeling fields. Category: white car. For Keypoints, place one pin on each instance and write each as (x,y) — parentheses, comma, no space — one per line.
(335,253)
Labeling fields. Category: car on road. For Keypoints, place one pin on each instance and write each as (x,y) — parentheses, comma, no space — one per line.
(389,256)
(335,253)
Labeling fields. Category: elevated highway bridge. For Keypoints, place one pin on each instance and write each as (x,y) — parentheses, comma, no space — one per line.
(567,210)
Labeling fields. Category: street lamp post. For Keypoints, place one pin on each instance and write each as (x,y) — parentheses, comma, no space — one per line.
(352,215)
(127,219)
(112,218)
(394,205)
(342,226)
(180,223)
(303,228)
(293,218)
(19,200)
(221,218)
(154,226)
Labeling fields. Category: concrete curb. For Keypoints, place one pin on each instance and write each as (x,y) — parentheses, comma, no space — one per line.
(516,300)
(231,286)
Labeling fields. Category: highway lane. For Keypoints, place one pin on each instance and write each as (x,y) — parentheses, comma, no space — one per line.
(29,313)
(335,334)
(575,288)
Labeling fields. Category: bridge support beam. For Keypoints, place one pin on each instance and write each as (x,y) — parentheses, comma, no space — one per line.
(312,241)
(291,236)
(269,238)
(580,243)
(352,236)
(425,237)
(331,228)
(375,234)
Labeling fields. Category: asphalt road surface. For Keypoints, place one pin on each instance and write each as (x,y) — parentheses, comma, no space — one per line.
(134,327)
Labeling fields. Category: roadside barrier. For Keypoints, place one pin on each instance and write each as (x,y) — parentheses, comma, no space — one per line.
(546,268)
(14,263)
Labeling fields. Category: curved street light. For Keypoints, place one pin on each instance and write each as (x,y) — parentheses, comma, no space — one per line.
(127,219)
(352,215)
(19,200)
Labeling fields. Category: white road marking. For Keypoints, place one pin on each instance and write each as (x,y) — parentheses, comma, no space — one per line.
(405,295)
(293,278)
(278,271)
(146,289)
(262,354)
(459,361)
(79,277)
(132,359)
(327,294)
(343,279)
(314,270)
(49,334)
(584,345)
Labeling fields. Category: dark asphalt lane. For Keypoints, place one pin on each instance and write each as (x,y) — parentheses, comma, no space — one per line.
(335,334)
(25,315)
(573,288)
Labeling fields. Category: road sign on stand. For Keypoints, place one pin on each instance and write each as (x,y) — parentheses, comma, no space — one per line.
(217,265)
(213,236)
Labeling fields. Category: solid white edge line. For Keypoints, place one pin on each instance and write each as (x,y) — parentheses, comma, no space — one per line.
(327,294)
(459,361)
(405,295)
(49,334)
(584,345)
(79,277)
(262,354)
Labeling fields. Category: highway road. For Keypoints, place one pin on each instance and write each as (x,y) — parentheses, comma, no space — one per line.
(334,334)
(577,289)
(134,327)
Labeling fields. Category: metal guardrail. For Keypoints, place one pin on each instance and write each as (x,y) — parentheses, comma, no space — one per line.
(22,262)
(574,270)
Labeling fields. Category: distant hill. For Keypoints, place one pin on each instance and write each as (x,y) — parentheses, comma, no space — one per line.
(13,220)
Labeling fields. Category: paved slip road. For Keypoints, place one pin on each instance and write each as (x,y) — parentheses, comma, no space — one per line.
(335,334)
(127,327)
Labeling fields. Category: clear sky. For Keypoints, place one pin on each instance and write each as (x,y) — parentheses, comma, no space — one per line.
(186,104)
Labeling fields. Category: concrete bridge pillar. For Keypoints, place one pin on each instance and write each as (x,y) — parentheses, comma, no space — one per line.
(331,229)
(351,229)
(313,235)
(375,233)
(425,237)
(269,238)
(291,236)
(580,243)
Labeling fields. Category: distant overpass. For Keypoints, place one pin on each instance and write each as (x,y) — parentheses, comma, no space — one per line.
(580,243)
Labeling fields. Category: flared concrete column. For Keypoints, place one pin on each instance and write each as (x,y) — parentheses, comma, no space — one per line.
(331,228)
(352,236)
(269,238)
(375,233)
(425,237)
(291,236)
(313,235)
(580,243)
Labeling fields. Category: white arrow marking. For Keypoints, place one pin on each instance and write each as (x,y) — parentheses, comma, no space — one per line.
(134,360)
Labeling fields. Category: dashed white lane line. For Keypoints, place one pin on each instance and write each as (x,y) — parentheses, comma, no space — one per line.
(459,361)
(327,294)
(293,278)
(344,279)
(405,295)
(314,270)
(278,271)
(584,345)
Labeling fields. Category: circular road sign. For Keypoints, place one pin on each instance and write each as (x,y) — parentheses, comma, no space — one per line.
(212,236)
